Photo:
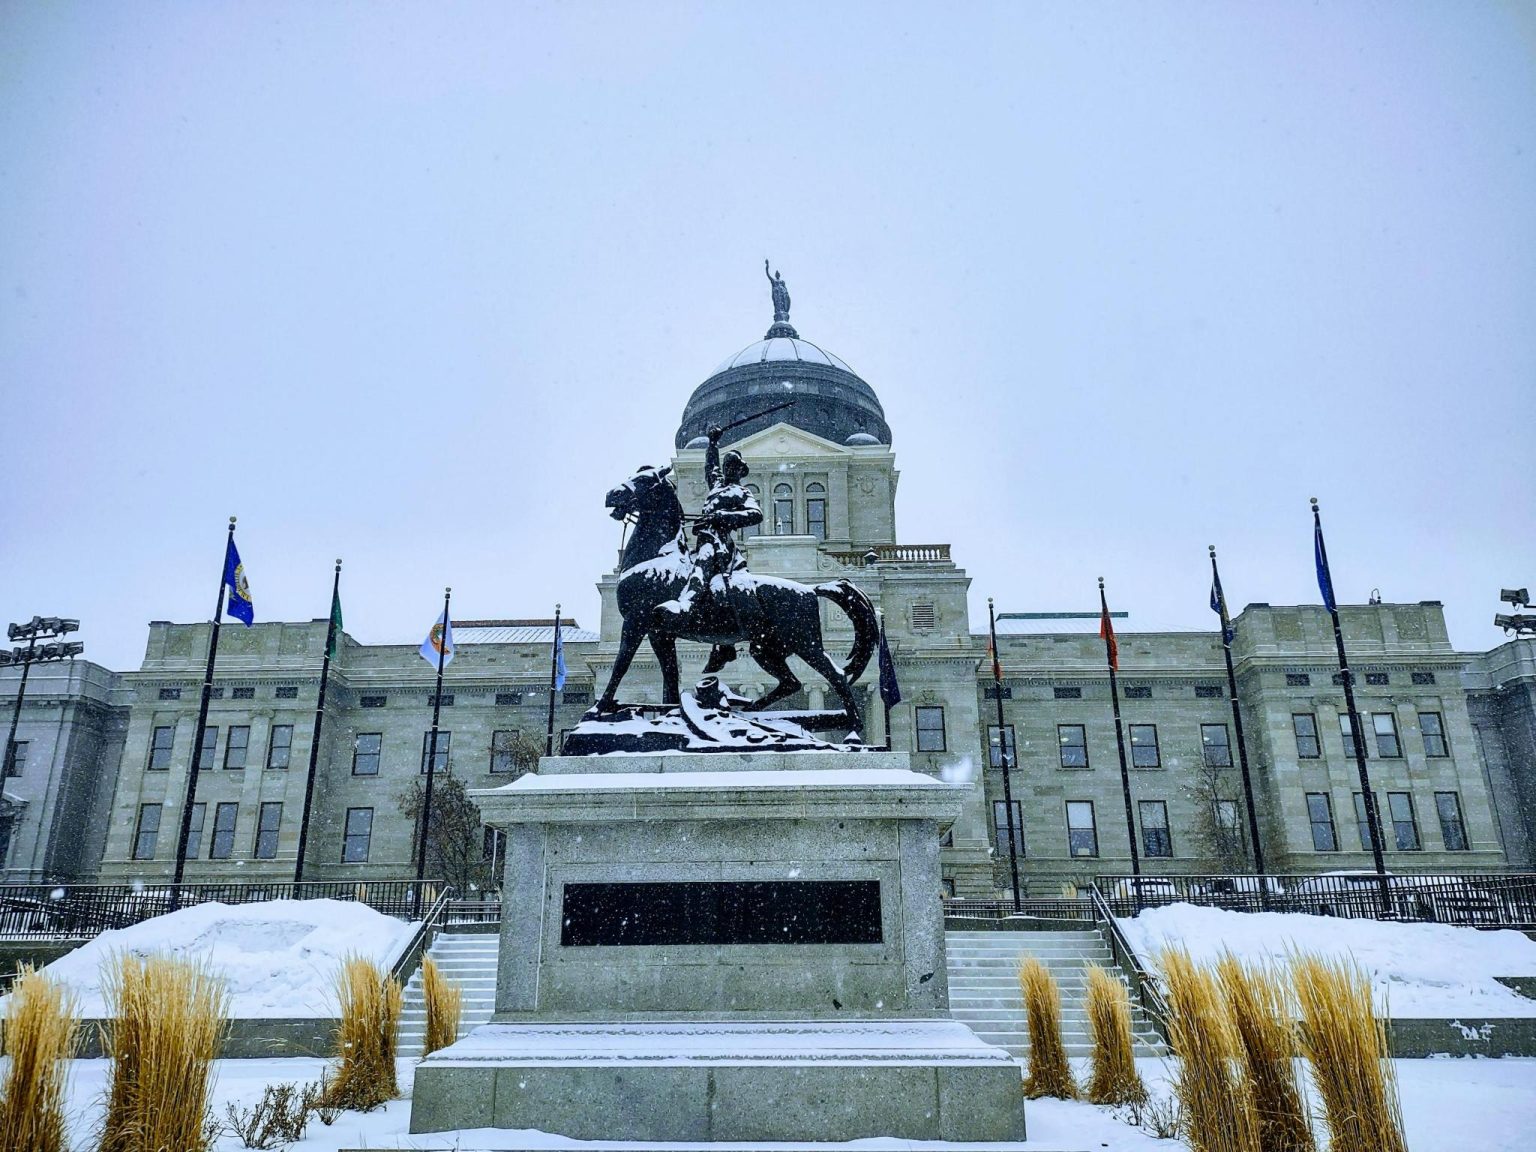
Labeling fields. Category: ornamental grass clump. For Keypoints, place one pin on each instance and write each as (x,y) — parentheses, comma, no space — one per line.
(1261,1005)
(1115,1079)
(166,1023)
(1210,1086)
(365,1040)
(444,1006)
(1346,1043)
(1049,1072)
(40,1030)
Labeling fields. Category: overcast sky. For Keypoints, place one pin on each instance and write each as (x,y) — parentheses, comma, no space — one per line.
(414,286)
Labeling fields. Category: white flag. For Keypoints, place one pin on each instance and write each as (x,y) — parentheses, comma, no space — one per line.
(440,639)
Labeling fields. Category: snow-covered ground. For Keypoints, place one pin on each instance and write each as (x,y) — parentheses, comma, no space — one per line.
(1419,970)
(1448,1106)
(278,958)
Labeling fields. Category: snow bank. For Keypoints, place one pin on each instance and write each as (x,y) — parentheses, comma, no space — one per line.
(1421,970)
(278,958)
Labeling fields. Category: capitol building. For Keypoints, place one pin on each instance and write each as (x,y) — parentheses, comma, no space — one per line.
(1450,737)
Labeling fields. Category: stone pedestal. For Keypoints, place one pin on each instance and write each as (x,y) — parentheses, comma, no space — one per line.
(723,948)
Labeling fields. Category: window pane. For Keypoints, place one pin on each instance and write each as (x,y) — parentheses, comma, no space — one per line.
(147,832)
(239,743)
(1320,813)
(1433,730)
(280,746)
(1082,834)
(1385,725)
(1405,829)
(1229,828)
(440,762)
(358,834)
(266,830)
(502,744)
(1155,838)
(1000,826)
(753,529)
(1362,822)
(160,748)
(365,753)
(1452,831)
(18,751)
(1072,740)
(783,510)
(1346,732)
(195,831)
(995,753)
(1218,751)
(223,831)
(1144,752)
(1307,745)
(930,729)
(210,747)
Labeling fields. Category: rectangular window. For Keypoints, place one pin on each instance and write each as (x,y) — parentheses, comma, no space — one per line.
(440,762)
(1229,827)
(373,701)
(1385,725)
(1067,692)
(1423,677)
(1380,679)
(1144,752)
(365,753)
(503,745)
(783,510)
(280,746)
(989,692)
(287,692)
(1405,826)
(1346,735)
(216,693)
(1452,831)
(270,821)
(223,845)
(1432,728)
(160,748)
(1216,745)
(930,729)
(195,830)
(1208,692)
(1137,692)
(816,518)
(508,699)
(358,834)
(236,747)
(1156,840)
(147,832)
(995,753)
(1308,746)
(447,699)
(1082,833)
(1320,814)
(1362,822)
(1297,679)
(170,693)
(1000,827)
(18,764)
(210,749)
(1073,742)
(244,692)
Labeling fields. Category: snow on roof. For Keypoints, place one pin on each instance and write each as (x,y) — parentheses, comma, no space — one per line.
(783,348)
(510,632)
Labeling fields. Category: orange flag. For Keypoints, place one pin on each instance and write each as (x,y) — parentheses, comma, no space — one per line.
(1107,634)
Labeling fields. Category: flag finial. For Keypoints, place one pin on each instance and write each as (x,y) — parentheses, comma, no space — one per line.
(1101,581)
(231,521)
(338,563)
(989,601)
(1314,501)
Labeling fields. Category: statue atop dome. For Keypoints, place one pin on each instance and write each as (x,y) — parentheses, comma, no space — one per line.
(781,325)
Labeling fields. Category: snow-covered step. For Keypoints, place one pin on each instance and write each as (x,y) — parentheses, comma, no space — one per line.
(467,960)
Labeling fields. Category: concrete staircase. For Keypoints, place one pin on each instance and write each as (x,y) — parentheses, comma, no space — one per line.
(984,986)
(468,959)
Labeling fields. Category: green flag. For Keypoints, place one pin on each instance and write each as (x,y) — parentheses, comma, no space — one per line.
(330,648)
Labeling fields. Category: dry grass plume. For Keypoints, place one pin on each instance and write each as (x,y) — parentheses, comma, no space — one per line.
(1260,1002)
(1115,1079)
(1346,1043)
(1049,1072)
(370,1019)
(444,1006)
(167,1019)
(1211,1088)
(40,1029)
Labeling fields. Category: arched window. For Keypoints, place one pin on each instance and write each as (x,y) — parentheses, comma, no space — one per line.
(754,529)
(816,510)
(783,510)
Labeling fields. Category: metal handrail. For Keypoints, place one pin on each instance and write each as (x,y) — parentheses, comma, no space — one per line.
(1153,1006)
(410,956)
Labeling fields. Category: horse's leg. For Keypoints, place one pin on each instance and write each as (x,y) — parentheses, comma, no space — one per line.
(629,643)
(665,647)
(820,662)
(774,661)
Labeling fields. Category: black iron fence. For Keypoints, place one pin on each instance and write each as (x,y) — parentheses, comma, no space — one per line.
(1481,900)
(80,911)
(1001,909)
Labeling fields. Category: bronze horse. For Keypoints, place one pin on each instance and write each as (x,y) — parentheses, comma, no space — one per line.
(776,618)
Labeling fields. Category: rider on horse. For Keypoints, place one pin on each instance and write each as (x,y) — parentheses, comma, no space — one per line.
(728,508)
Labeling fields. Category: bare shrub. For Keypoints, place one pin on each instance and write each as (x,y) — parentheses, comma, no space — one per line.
(370,1020)
(1115,1079)
(1049,1072)
(40,1030)
(276,1120)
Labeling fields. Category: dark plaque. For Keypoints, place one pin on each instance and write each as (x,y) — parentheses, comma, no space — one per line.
(723,912)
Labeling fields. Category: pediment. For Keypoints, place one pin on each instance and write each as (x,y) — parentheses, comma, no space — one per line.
(787,440)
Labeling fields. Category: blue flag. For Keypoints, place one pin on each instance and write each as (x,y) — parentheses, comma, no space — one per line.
(890,691)
(239,591)
(1219,606)
(1324,579)
(559,658)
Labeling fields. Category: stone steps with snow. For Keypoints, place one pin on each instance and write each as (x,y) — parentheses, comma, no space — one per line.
(468,961)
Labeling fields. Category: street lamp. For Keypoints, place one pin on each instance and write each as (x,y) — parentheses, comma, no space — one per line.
(38,628)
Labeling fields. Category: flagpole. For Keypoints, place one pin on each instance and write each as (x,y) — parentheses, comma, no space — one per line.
(1372,819)
(437,709)
(1003,756)
(884,700)
(314,742)
(554,661)
(202,728)
(1112,658)
(1237,728)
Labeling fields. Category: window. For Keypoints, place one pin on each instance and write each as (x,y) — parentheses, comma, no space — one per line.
(1082,834)
(170,693)
(1380,679)
(1320,814)
(1156,840)
(1452,831)
(447,699)
(994,752)
(1073,741)
(576,696)
(266,830)
(195,830)
(1387,746)
(1216,745)
(989,692)
(287,692)
(1137,692)
(1432,728)
(1061,693)
(1000,826)
(1228,825)
(930,729)
(757,498)
(508,699)
(1297,680)
(1362,822)
(18,762)
(216,693)
(1144,752)
(440,763)
(357,836)
(373,701)
(223,845)
(1208,692)
(924,617)
(160,748)
(245,692)
(365,753)
(816,510)
(147,832)
(1304,724)
(783,510)
(238,744)
(210,749)
(503,744)
(1347,734)
(1423,677)
(280,746)
(1405,827)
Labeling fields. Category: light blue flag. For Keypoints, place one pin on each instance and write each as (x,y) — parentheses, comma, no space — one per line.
(559,658)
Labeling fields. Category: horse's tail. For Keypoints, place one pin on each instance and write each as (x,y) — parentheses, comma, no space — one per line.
(866,625)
